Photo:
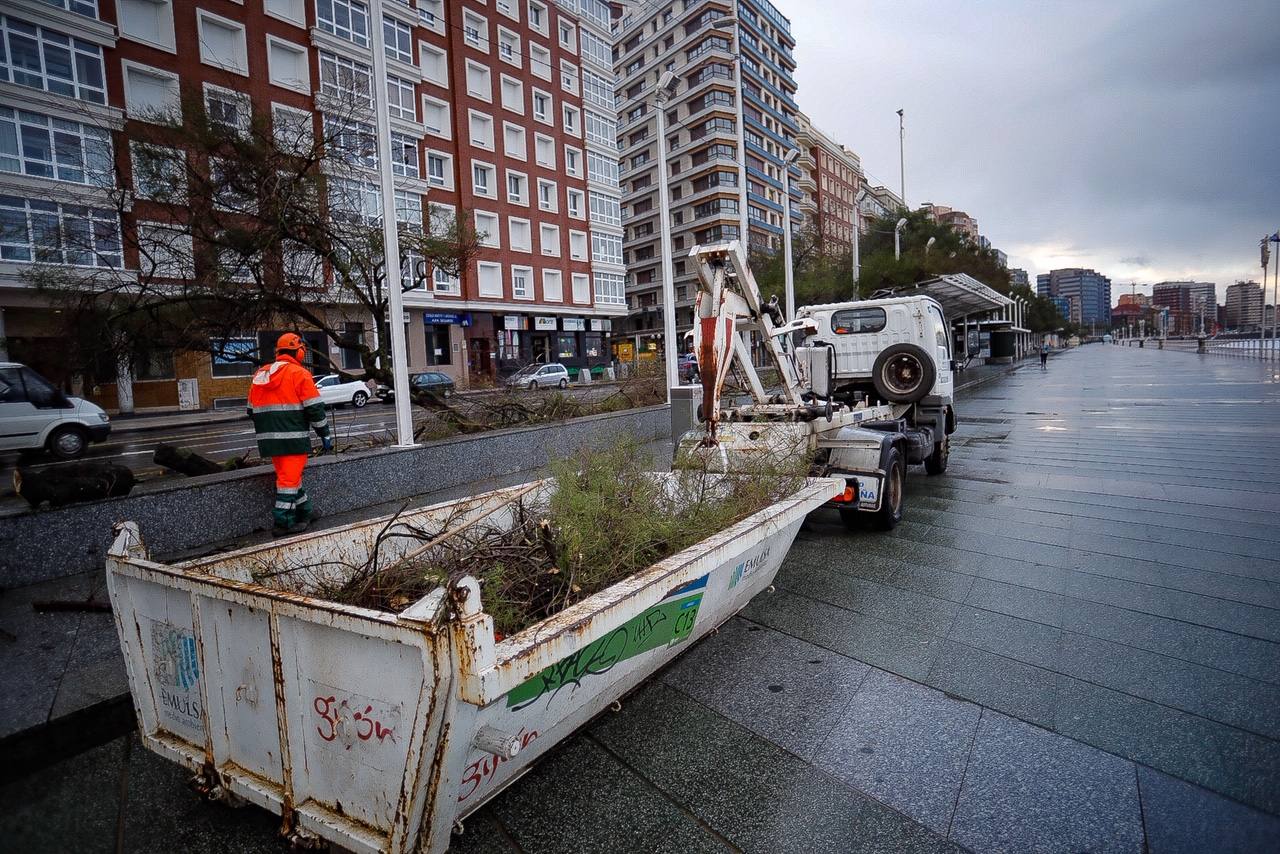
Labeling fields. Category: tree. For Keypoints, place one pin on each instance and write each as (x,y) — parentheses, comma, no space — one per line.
(236,223)
(952,252)
(823,269)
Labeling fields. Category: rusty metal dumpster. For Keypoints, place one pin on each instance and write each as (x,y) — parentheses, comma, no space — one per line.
(378,731)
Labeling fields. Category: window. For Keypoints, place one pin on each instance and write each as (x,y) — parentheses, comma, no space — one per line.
(165,251)
(512,95)
(605,209)
(481,129)
(482,180)
(293,11)
(547,195)
(347,81)
(539,61)
(602,130)
(521,282)
(508,8)
(435,63)
(352,143)
(479,81)
(489,278)
(431,14)
(581,288)
(149,93)
(158,172)
(509,47)
(287,65)
(601,169)
(397,39)
(544,149)
(552,286)
(440,169)
(438,348)
(854,320)
(48,147)
(610,289)
(513,141)
(517,188)
(578,245)
(573,161)
(568,36)
(572,120)
(519,233)
(487,230)
(475,31)
(404,155)
(147,21)
(568,76)
(346,19)
(542,106)
(401,99)
(596,48)
(233,357)
(228,110)
(435,117)
(549,240)
(228,190)
(52,61)
(444,283)
(222,43)
(354,200)
(606,248)
(575,201)
(596,89)
(52,233)
(538,16)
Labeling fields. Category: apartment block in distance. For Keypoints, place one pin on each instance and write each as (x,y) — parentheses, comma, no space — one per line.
(729,126)
(1244,306)
(1087,294)
(1193,306)
(830,177)
(487,116)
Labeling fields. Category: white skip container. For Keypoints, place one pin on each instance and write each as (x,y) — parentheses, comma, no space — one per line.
(379,731)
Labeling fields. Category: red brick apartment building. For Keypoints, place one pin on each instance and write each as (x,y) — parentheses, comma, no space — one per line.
(487,116)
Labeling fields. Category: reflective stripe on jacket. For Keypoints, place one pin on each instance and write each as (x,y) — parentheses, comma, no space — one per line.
(285,402)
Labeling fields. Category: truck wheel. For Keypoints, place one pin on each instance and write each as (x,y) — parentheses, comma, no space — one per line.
(936,463)
(903,373)
(68,443)
(891,498)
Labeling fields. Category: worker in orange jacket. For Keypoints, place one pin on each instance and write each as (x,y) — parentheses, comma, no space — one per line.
(284,402)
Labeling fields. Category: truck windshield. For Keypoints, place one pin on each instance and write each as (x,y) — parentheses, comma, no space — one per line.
(854,320)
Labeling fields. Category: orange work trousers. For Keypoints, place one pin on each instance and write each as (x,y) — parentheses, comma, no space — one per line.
(291,504)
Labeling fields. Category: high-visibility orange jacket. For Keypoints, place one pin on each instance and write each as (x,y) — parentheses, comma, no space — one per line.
(284,402)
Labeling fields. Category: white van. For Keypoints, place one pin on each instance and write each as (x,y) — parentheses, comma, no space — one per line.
(34,414)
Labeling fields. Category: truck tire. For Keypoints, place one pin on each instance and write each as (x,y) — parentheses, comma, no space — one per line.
(903,373)
(891,493)
(936,463)
(68,443)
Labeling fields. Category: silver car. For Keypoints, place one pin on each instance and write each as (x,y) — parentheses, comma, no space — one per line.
(540,376)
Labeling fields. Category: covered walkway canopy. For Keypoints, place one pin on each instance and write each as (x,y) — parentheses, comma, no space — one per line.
(966,301)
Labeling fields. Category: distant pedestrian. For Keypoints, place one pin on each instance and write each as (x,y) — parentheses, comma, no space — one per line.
(1044,356)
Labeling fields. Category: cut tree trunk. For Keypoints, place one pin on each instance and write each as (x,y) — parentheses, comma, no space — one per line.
(188,462)
(68,484)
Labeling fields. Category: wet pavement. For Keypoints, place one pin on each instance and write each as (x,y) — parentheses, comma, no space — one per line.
(1071,644)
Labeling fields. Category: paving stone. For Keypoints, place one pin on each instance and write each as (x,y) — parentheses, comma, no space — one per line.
(785,689)
(758,797)
(1016,601)
(925,613)
(1024,640)
(1018,689)
(905,745)
(1184,819)
(1027,790)
(71,806)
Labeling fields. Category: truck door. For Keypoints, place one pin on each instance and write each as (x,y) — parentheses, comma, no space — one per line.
(942,334)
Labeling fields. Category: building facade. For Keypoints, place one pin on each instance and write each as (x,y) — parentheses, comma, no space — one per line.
(1244,306)
(830,178)
(1018,278)
(879,202)
(730,123)
(488,119)
(957,220)
(1192,306)
(1087,293)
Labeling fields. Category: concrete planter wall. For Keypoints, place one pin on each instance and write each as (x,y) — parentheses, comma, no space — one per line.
(181,515)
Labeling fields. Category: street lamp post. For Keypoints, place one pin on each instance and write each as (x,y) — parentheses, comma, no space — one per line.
(390,236)
(897,242)
(666,89)
(789,274)
(857,234)
(902,157)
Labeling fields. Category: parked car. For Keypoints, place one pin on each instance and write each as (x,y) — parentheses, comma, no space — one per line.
(336,390)
(435,381)
(34,414)
(540,376)
(687,366)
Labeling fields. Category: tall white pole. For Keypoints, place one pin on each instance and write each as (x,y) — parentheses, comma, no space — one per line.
(390,237)
(902,157)
(788,273)
(668,267)
(1275,302)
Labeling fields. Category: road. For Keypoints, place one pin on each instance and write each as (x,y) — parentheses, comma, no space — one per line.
(1070,644)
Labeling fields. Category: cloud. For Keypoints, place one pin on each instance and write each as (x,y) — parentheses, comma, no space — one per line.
(1136,261)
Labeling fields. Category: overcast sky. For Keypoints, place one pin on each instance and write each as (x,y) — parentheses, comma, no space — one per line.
(1136,137)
